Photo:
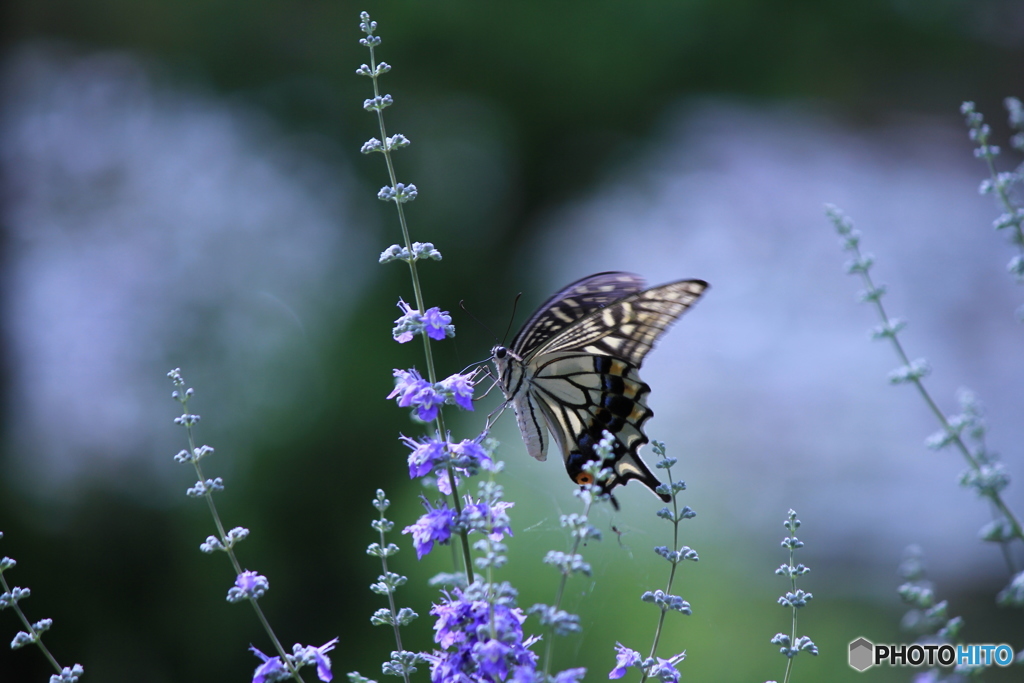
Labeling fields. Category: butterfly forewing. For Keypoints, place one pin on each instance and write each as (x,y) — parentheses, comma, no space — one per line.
(572,303)
(627,328)
(575,364)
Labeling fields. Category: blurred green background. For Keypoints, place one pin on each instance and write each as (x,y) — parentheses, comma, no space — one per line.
(515,110)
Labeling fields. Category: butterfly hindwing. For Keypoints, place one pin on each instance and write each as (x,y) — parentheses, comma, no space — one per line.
(573,370)
(583,396)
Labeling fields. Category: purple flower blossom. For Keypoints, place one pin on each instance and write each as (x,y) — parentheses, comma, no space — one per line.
(406,325)
(322,661)
(624,658)
(248,584)
(466,621)
(570,675)
(426,455)
(412,390)
(272,668)
(527,674)
(488,518)
(444,482)
(466,458)
(427,403)
(492,658)
(665,671)
(434,526)
(469,454)
(460,389)
(408,383)
(438,323)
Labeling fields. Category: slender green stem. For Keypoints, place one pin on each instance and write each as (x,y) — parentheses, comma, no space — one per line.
(792,633)
(236,565)
(549,645)
(391,596)
(420,306)
(1001,191)
(671,574)
(37,637)
(954,434)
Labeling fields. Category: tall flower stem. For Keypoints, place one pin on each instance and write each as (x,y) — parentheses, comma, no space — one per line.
(580,532)
(795,598)
(1000,183)
(375,70)
(226,539)
(36,636)
(671,574)
(914,372)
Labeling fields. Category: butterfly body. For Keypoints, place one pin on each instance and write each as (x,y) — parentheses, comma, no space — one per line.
(573,370)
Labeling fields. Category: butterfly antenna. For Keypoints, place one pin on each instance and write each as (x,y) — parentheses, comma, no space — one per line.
(515,305)
(462,305)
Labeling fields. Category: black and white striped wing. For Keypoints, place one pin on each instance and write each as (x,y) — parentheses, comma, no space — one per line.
(627,328)
(583,395)
(570,305)
(572,370)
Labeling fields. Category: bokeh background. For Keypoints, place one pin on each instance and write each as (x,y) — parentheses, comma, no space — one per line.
(181,186)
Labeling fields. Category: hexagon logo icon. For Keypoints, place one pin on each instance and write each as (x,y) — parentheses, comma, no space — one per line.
(862,653)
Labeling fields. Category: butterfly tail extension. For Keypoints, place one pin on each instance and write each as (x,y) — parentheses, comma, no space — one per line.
(632,467)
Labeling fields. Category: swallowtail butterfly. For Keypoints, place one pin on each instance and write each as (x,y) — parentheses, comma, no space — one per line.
(573,370)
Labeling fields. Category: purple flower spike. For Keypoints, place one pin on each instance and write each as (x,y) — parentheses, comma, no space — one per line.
(434,526)
(481,640)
